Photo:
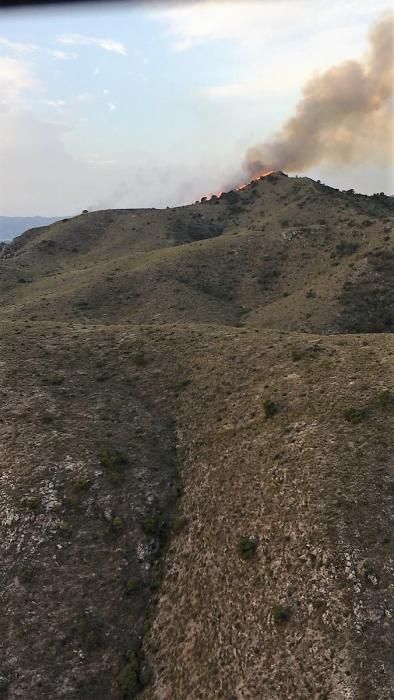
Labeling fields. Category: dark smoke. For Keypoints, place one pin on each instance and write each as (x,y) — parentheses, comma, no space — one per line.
(343,116)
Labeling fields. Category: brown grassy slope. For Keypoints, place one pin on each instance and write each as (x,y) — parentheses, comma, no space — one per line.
(311,485)
(124,370)
(88,475)
(310,614)
(287,252)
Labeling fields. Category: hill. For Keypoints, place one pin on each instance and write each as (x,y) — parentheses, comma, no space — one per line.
(196,488)
(11,226)
(287,252)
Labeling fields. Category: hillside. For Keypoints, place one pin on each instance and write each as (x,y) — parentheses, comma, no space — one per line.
(287,252)
(196,489)
(11,226)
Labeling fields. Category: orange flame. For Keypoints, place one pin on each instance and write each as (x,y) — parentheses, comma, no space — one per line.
(240,187)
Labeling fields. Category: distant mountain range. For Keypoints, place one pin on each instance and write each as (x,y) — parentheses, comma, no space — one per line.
(11,226)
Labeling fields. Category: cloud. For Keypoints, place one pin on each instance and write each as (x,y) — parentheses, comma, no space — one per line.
(18,47)
(15,79)
(105,43)
(54,103)
(60,55)
(85,98)
(254,22)
(111,106)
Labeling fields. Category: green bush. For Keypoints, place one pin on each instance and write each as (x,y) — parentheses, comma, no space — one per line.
(270,408)
(130,586)
(355,414)
(118,525)
(88,631)
(346,248)
(128,679)
(281,614)
(31,502)
(247,547)
(386,398)
(140,358)
(80,485)
(151,525)
(296,354)
(54,379)
(114,460)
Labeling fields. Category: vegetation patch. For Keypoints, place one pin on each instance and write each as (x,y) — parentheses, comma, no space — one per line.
(281,614)
(386,399)
(270,408)
(31,502)
(346,248)
(130,586)
(114,461)
(355,414)
(128,678)
(247,547)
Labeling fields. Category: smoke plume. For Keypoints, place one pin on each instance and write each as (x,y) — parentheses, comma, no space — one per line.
(345,115)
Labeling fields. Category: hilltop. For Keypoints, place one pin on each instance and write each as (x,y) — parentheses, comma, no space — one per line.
(196,493)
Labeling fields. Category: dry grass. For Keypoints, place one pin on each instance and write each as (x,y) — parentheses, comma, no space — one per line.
(150,381)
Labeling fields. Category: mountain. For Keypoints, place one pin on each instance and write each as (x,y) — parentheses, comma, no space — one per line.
(11,226)
(196,490)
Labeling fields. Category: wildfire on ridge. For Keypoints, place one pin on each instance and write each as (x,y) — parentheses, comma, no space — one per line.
(240,187)
(254,179)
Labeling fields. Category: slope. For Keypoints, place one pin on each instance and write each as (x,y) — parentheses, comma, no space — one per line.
(196,488)
(267,255)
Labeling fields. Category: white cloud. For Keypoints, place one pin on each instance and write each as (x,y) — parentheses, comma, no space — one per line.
(54,103)
(106,44)
(106,92)
(17,46)
(96,71)
(85,98)
(100,161)
(111,106)
(63,55)
(251,23)
(15,79)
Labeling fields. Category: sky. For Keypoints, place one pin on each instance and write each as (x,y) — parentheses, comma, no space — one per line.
(152,105)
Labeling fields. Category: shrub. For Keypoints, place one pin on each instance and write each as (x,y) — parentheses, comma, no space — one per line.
(355,414)
(281,614)
(112,459)
(267,277)
(232,197)
(88,631)
(346,247)
(80,485)
(151,525)
(128,679)
(270,408)
(118,524)
(247,547)
(54,379)
(179,522)
(386,398)
(296,354)
(31,502)
(140,358)
(130,586)
(48,418)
